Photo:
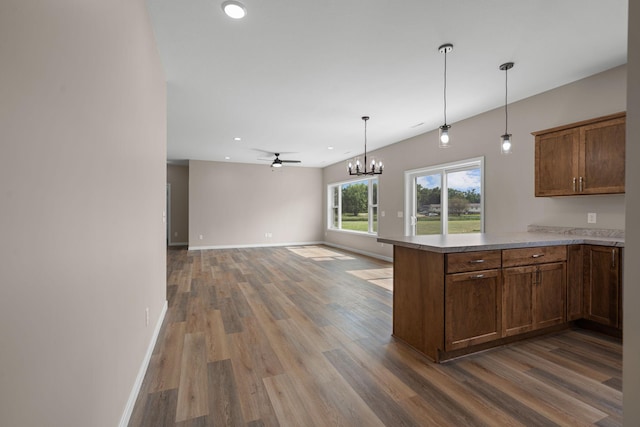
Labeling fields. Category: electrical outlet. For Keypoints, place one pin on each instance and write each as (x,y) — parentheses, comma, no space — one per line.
(200,237)
(175,234)
(591,218)
(400,214)
(146,316)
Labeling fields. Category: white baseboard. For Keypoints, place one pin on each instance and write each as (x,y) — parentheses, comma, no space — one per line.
(358,251)
(269,245)
(133,396)
(257,245)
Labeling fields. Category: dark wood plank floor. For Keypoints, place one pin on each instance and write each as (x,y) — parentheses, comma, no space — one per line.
(301,336)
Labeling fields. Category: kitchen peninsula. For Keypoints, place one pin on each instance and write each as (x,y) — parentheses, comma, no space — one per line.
(460,293)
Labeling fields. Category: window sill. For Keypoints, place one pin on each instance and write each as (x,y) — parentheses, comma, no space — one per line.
(352,232)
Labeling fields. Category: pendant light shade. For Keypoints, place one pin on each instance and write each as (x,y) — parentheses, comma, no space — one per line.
(506,145)
(357,168)
(444,138)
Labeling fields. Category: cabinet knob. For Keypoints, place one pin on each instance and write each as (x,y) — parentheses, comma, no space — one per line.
(574,184)
(581,184)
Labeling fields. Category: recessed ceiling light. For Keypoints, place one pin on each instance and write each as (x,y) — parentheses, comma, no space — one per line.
(227,158)
(237,138)
(234,9)
(329,148)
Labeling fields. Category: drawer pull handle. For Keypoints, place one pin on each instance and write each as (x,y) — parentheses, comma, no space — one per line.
(537,255)
(574,184)
(476,261)
(581,184)
(476,276)
(613,258)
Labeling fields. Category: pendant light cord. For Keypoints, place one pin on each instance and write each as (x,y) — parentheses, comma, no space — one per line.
(365,143)
(445,87)
(506,112)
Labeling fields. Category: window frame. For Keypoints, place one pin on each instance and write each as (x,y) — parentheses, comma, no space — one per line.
(410,190)
(370,205)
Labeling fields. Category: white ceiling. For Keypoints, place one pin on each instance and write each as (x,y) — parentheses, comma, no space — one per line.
(295,76)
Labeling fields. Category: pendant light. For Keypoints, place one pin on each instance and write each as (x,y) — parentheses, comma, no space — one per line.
(360,169)
(506,142)
(444,129)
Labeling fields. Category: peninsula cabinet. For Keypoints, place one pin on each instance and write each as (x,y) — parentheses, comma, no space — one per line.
(603,285)
(581,158)
(449,300)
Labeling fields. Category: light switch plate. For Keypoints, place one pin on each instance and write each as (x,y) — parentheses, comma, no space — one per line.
(591,218)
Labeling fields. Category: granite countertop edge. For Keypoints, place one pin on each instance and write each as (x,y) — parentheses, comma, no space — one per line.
(489,241)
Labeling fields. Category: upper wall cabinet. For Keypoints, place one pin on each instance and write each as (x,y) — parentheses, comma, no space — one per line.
(581,158)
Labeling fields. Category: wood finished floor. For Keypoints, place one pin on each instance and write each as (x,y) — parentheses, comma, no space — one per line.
(302,337)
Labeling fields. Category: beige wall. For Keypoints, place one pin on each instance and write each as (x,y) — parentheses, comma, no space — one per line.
(631,292)
(178,178)
(82,183)
(509,180)
(234,204)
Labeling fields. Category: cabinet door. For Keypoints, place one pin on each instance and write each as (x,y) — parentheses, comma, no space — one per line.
(556,163)
(602,281)
(550,295)
(517,299)
(472,308)
(602,153)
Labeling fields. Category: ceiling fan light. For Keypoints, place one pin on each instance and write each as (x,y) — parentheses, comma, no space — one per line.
(276,165)
(234,9)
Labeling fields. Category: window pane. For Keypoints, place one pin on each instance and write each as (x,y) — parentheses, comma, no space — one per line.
(355,206)
(374,196)
(428,204)
(374,225)
(335,217)
(336,195)
(464,201)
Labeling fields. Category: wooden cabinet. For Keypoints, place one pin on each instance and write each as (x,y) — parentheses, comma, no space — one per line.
(449,304)
(473,312)
(602,285)
(472,298)
(582,158)
(533,295)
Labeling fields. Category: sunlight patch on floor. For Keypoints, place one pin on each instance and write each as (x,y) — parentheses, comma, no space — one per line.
(318,253)
(382,277)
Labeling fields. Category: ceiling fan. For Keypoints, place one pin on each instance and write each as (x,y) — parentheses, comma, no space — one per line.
(277,162)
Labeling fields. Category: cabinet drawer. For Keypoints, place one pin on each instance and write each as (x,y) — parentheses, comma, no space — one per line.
(473,261)
(529,256)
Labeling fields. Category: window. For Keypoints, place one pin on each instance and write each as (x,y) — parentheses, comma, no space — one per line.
(353,206)
(445,199)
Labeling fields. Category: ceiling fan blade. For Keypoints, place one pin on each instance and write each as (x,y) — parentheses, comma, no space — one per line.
(291,161)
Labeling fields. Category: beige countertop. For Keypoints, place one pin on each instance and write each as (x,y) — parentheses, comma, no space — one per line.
(449,243)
